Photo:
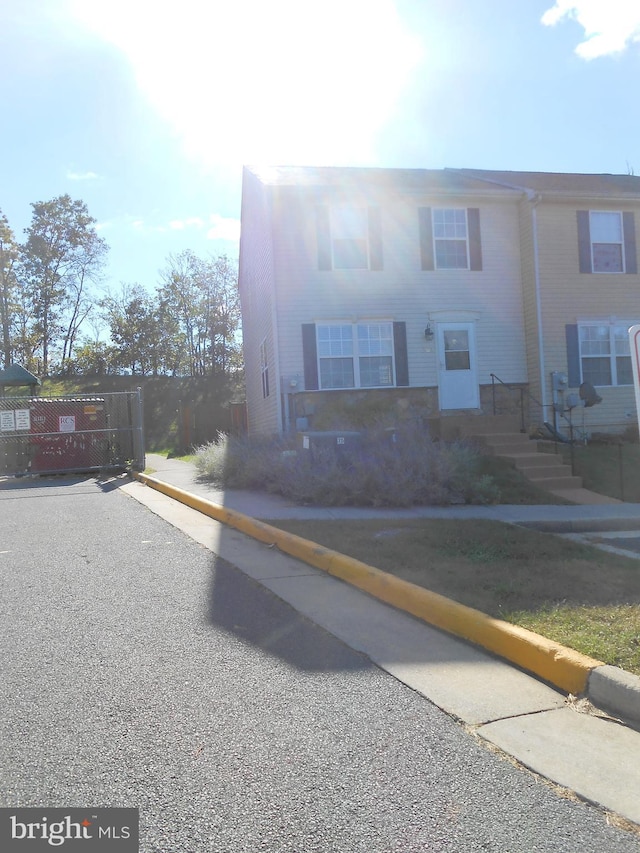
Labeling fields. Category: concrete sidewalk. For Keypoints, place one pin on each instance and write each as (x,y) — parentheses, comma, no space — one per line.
(591,753)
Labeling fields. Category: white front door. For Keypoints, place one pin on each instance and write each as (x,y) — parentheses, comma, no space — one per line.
(457,372)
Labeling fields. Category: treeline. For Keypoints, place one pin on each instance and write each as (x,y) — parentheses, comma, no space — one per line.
(51,296)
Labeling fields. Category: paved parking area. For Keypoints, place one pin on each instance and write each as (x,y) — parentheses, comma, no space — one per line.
(141,669)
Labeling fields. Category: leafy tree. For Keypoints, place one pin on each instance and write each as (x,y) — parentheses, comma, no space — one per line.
(223,317)
(202,295)
(136,331)
(9,254)
(62,256)
(180,297)
(93,358)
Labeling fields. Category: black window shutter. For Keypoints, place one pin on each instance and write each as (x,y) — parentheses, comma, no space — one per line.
(573,355)
(629,229)
(376,260)
(400,352)
(323,232)
(475,244)
(426,238)
(310,356)
(584,241)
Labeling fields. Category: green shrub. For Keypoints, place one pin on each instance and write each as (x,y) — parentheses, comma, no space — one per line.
(381,471)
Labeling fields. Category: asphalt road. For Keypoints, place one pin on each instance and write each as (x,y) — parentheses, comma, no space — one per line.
(137,669)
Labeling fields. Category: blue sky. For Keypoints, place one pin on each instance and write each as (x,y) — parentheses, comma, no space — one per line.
(148,110)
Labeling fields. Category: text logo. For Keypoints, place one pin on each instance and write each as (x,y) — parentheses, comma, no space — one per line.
(103,830)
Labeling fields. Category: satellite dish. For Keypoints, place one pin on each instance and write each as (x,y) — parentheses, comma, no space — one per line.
(589,395)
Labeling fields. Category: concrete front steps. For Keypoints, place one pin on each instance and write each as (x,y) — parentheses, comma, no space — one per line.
(546,470)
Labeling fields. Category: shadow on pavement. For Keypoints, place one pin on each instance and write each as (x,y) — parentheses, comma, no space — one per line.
(106,482)
(245,608)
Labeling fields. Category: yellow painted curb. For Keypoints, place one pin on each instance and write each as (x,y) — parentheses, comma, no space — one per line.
(557,664)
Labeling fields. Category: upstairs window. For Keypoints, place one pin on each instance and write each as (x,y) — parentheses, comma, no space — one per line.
(349,237)
(607,246)
(450,239)
(606,242)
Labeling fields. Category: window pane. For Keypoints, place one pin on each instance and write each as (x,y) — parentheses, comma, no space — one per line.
(607,257)
(456,339)
(349,222)
(376,371)
(606,228)
(621,340)
(595,340)
(451,254)
(450,223)
(457,360)
(596,370)
(335,340)
(624,370)
(375,339)
(336,373)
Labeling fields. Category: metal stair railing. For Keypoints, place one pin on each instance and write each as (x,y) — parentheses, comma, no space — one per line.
(556,436)
(520,390)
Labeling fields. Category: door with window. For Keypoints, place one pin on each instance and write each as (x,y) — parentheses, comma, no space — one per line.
(457,369)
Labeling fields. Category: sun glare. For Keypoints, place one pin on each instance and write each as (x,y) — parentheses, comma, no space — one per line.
(284,82)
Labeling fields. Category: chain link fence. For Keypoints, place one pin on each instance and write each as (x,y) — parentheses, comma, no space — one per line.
(53,435)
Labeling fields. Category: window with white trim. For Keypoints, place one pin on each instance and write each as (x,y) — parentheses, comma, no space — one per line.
(605,355)
(355,355)
(350,237)
(451,238)
(264,368)
(607,241)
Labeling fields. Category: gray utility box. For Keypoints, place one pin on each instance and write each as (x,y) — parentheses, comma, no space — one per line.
(336,440)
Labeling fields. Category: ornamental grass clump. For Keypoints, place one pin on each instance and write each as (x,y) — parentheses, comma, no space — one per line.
(402,468)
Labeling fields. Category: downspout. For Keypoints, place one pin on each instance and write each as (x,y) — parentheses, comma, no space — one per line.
(535,200)
(274,320)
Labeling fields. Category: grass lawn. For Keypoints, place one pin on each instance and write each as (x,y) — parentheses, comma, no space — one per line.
(575,594)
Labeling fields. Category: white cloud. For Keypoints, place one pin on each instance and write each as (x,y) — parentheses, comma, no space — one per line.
(608,27)
(82,176)
(182,224)
(251,81)
(223,229)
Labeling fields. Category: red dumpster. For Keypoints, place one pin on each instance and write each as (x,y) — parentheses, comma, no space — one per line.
(67,435)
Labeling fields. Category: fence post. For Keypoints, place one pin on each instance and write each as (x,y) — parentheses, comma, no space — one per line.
(139,462)
(621,470)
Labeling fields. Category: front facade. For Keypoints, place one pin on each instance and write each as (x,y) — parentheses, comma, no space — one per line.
(402,293)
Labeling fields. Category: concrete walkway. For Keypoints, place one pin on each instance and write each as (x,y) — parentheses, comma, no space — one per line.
(566,740)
